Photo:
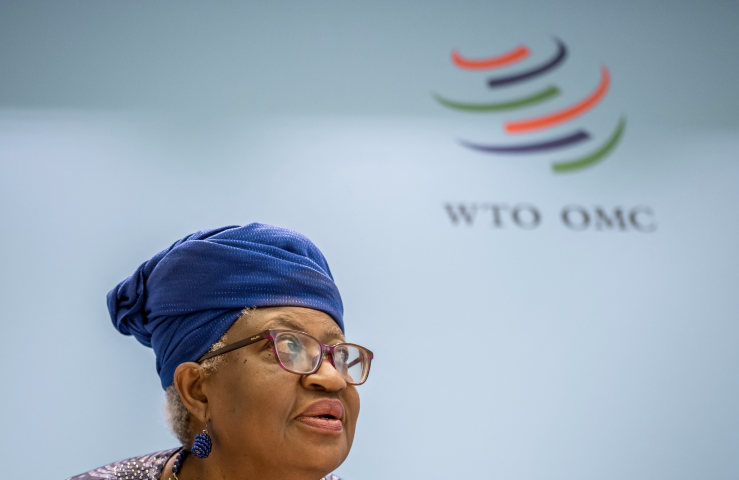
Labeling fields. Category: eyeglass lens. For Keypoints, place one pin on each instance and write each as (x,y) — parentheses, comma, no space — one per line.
(301,354)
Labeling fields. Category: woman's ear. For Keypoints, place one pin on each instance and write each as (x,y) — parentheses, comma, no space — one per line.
(188,380)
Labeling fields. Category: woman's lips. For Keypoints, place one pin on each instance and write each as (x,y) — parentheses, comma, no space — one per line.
(328,424)
(325,415)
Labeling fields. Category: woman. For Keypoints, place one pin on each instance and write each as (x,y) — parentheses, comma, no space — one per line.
(246,324)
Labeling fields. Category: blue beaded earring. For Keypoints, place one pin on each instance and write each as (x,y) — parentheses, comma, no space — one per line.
(201,445)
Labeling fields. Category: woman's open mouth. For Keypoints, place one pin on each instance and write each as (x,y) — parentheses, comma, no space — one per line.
(325,415)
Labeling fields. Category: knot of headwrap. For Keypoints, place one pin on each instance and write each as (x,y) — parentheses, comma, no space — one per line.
(185,298)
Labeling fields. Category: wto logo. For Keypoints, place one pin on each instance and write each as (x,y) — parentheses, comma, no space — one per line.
(541,122)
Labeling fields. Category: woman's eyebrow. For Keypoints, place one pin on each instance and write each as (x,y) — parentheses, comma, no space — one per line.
(285,322)
(334,332)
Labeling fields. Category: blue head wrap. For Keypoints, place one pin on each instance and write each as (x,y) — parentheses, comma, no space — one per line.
(185,298)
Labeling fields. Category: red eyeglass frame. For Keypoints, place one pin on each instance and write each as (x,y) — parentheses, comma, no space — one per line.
(326,350)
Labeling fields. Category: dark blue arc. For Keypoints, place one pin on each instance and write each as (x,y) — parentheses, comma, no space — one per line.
(520,77)
(560,142)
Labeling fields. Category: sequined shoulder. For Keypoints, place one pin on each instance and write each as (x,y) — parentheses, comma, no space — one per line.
(145,467)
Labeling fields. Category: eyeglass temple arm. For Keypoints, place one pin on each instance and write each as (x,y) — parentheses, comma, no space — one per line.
(369,354)
(234,346)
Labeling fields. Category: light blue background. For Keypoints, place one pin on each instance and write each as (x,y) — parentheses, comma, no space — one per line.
(552,354)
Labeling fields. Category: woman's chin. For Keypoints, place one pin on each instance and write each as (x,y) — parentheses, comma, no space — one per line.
(320,447)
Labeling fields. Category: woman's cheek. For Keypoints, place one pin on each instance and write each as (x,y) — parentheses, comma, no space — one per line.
(353,401)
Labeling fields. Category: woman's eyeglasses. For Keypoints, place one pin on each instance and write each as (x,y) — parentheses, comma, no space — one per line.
(299,353)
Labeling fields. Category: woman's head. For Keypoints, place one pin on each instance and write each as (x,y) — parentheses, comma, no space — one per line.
(261,413)
(271,418)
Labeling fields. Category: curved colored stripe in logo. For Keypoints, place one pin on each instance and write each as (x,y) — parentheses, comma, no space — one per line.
(567,140)
(551,119)
(588,160)
(535,72)
(508,58)
(537,97)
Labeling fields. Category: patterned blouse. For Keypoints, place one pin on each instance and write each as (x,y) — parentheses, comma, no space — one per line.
(145,467)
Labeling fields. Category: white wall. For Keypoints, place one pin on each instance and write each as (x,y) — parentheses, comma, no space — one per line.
(552,353)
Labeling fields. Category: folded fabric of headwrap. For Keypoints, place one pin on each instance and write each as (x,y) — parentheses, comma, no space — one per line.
(185,298)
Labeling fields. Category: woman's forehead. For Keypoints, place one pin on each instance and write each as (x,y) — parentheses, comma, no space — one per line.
(314,322)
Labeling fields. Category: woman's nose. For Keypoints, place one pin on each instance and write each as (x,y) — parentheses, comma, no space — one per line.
(327,378)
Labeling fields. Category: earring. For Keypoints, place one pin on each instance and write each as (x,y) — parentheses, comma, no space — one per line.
(201,445)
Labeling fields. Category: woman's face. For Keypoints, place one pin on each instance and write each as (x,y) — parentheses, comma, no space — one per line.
(275,420)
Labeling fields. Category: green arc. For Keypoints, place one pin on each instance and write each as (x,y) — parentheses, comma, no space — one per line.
(588,160)
(538,97)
